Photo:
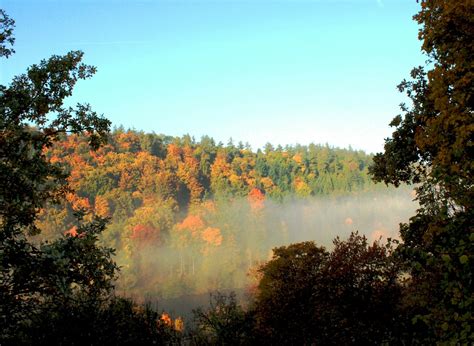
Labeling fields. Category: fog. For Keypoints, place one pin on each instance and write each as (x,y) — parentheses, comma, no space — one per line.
(230,239)
(322,219)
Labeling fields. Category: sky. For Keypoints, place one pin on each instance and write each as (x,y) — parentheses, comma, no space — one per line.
(256,71)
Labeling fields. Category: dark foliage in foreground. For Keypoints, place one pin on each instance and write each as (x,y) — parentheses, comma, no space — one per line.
(308,295)
(117,321)
(225,322)
(432,146)
(58,292)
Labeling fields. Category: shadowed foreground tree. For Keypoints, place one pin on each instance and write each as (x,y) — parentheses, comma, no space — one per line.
(433,147)
(59,292)
(223,323)
(32,118)
(309,295)
(283,311)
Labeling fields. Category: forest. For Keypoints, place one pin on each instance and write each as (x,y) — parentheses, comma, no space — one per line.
(189,217)
(296,244)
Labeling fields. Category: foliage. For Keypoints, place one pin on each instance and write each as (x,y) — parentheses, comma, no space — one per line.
(193,171)
(310,295)
(56,292)
(117,321)
(283,309)
(6,34)
(432,146)
(151,186)
(223,323)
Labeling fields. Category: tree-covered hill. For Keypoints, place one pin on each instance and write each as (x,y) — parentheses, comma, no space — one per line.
(190,171)
(190,216)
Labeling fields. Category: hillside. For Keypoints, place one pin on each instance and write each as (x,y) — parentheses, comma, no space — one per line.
(187,217)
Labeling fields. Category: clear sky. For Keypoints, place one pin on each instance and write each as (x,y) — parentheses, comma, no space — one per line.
(285,72)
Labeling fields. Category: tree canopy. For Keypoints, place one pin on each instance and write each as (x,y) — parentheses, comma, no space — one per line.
(40,282)
(432,146)
(349,295)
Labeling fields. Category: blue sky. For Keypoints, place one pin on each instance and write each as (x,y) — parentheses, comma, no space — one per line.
(285,72)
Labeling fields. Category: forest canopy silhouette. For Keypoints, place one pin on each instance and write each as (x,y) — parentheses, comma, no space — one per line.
(90,217)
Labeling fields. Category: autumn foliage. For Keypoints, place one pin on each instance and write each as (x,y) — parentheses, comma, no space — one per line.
(172,194)
(256,199)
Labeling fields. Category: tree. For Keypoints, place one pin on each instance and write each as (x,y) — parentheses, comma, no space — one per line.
(309,295)
(6,35)
(432,147)
(282,307)
(38,279)
(357,299)
(224,323)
